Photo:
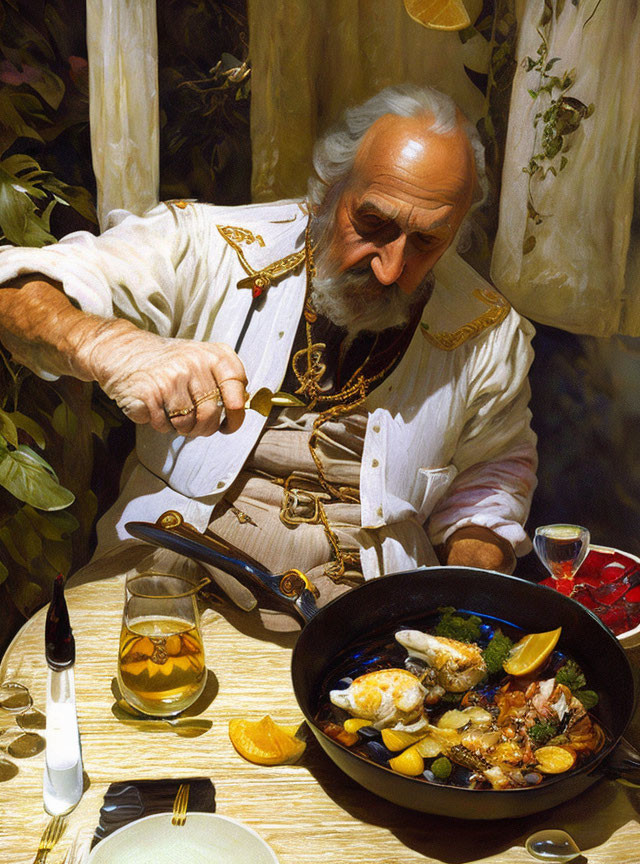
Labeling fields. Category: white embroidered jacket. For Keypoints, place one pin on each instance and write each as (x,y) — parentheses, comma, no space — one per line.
(448,440)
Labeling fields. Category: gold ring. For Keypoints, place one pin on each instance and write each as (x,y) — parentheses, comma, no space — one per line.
(182,413)
(210,395)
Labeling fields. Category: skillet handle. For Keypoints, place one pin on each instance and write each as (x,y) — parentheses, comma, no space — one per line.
(172,532)
(623,765)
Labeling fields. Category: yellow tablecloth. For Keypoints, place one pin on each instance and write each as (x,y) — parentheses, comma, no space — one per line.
(309,812)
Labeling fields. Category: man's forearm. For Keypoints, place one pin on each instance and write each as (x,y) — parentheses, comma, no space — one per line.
(44,331)
(174,384)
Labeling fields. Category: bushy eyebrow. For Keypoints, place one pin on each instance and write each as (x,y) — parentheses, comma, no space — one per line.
(371,208)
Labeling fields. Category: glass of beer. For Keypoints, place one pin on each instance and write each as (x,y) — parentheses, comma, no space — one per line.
(161,667)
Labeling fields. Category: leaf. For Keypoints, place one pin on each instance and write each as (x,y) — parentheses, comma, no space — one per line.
(19,220)
(551,63)
(6,539)
(30,427)
(50,87)
(563,162)
(52,526)
(533,93)
(528,244)
(3,572)
(25,537)
(58,554)
(64,421)
(8,428)
(589,698)
(29,478)
(12,118)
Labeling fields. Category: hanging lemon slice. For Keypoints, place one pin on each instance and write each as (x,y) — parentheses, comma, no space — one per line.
(265,742)
(439,14)
(530,652)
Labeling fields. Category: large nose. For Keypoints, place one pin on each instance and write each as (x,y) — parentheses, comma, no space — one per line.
(388,262)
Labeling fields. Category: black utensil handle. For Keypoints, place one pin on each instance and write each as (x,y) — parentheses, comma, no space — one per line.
(171,532)
(623,764)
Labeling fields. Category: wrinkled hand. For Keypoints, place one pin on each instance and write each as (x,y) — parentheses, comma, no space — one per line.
(153,378)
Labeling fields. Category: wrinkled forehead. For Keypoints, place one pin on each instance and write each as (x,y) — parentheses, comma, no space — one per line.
(407,150)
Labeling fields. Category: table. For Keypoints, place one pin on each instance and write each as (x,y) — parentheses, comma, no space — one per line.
(309,812)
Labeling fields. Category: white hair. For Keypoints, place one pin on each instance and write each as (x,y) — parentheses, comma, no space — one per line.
(334,154)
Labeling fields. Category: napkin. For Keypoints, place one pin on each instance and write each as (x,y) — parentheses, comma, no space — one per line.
(132,799)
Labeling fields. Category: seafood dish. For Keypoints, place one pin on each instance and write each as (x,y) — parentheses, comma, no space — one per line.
(463,700)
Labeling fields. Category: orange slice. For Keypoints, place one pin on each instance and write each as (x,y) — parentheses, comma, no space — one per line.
(439,14)
(530,652)
(265,742)
(555,760)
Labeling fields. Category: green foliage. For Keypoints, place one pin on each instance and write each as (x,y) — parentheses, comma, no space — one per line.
(542,732)
(44,168)
(572,676)
(497,652)
(452,625)
(560,118)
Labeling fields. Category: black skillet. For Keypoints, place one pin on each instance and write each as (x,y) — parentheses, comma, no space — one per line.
(394,599)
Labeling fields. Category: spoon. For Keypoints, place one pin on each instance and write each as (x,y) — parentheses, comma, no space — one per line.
(552,845)
(186,727)
(264,399)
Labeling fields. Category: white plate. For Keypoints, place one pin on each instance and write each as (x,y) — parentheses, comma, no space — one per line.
(205,838)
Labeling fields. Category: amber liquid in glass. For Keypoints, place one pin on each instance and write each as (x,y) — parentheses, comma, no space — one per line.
(161,669)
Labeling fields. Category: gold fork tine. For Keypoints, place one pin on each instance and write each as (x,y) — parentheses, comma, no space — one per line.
(50,836)
(180,804)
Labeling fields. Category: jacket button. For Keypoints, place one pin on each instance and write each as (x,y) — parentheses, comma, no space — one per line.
(376,428)
(379,512)
(220,484)
(374,463)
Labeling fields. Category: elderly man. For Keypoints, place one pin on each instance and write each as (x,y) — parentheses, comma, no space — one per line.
(415,430)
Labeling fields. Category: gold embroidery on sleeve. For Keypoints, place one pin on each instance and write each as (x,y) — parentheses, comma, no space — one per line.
(499,310)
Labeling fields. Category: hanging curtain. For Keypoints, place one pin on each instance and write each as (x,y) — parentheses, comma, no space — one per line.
(567,252)
(123,103)
(310,60)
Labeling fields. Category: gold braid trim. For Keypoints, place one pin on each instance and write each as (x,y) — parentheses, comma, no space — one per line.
(447,341)
(259,279)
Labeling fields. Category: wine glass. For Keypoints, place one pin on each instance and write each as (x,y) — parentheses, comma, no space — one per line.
(161,666)
(562,548)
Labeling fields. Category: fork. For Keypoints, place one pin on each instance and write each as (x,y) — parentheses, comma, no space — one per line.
(50,836)
(180,805)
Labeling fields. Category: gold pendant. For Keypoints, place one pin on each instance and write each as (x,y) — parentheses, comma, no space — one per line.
(310,378)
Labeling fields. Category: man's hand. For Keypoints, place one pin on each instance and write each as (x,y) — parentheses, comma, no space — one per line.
(476,546)
(172,384)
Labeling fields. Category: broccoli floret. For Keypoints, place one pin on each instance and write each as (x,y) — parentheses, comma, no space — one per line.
(541,732)
(452,625)
(572,676)
(497,652)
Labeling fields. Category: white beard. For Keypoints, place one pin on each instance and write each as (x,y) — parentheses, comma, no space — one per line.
(354,299)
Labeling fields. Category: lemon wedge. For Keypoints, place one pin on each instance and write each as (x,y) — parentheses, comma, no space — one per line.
(439,14)
(530,652)
(265,742)
(555,760)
